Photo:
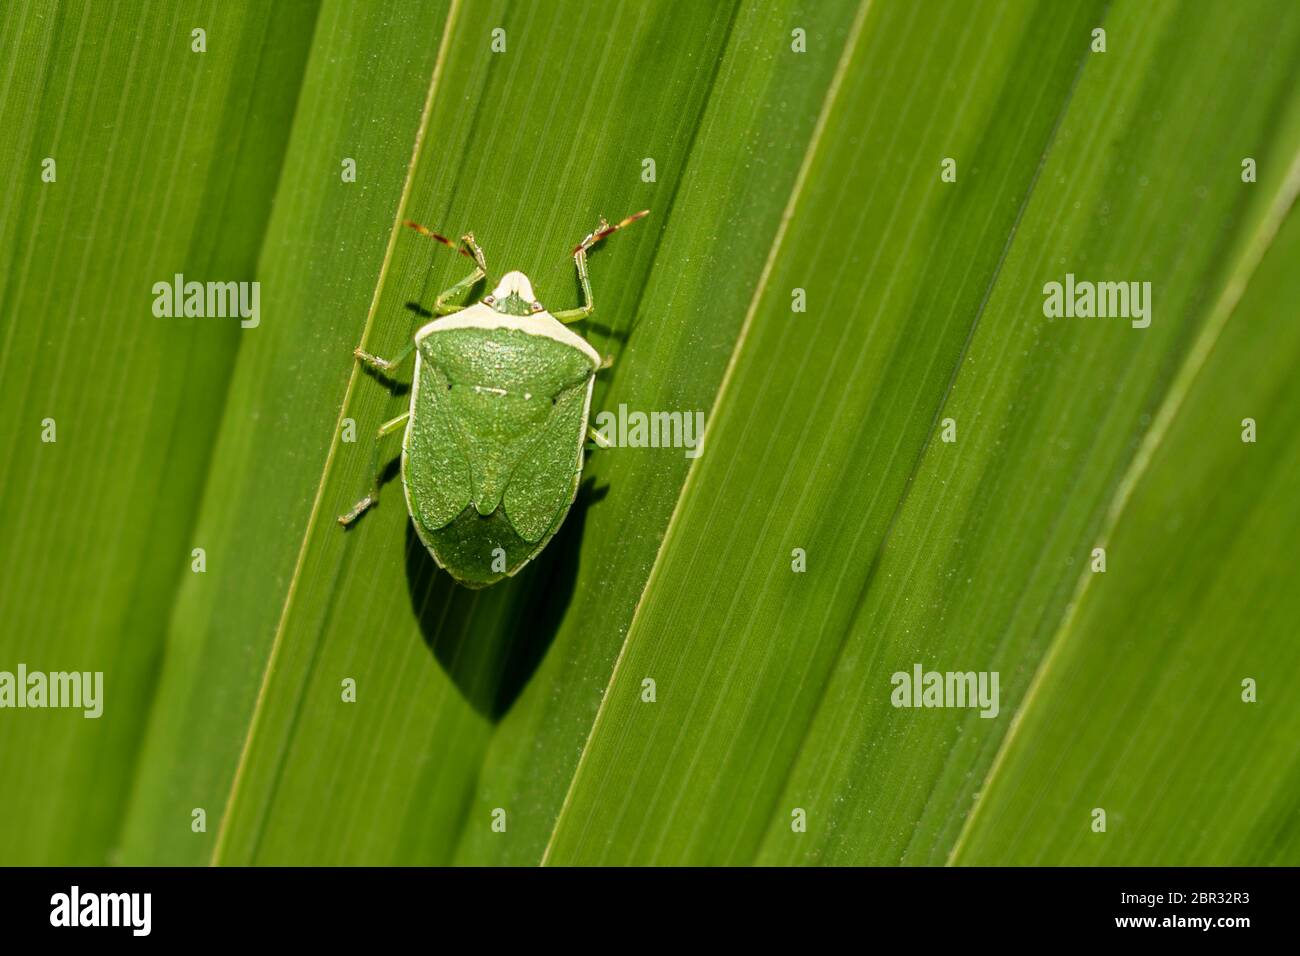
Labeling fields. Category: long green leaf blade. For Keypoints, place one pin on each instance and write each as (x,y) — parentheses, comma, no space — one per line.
(323,259)
(819,429)
(725,223)
(998,528)
(430,658)
(165,162)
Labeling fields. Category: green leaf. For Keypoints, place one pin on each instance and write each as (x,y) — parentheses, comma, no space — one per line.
(338,602)
(960,556)
(906,461)
(723,225)
(328,249)
(1192,765)
(1055,418)
(164,162)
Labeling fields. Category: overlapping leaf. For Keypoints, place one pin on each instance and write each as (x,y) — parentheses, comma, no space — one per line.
(775,738)
(914,470)
(128,158)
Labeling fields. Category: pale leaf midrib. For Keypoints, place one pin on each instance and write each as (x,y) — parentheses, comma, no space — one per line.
(787,214)
(138,752)
(439,62)
(1225,305)
(894,518)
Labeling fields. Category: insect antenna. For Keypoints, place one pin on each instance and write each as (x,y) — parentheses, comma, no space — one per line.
(605,229)
(437,237)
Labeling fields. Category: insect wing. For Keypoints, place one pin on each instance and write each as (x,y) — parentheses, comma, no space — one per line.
(545,481)
(435,467)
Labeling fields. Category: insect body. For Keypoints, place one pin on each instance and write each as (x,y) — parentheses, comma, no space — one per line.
(494,437)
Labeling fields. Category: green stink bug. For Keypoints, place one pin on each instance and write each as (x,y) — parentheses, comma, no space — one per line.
(495,432)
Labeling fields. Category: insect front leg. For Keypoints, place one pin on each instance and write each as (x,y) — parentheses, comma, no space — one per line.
(372,497)
(440,305)
(580,261)
(588,300)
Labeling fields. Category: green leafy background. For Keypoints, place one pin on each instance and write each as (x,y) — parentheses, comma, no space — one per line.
(774,170)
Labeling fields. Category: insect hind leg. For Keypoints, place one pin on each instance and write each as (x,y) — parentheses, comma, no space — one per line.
(372,496)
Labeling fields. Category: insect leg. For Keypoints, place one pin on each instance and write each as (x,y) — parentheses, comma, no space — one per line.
(385,366)
(599,440)
(372,497)
(440,305)
(580,261)
(588,300)
(470,250)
